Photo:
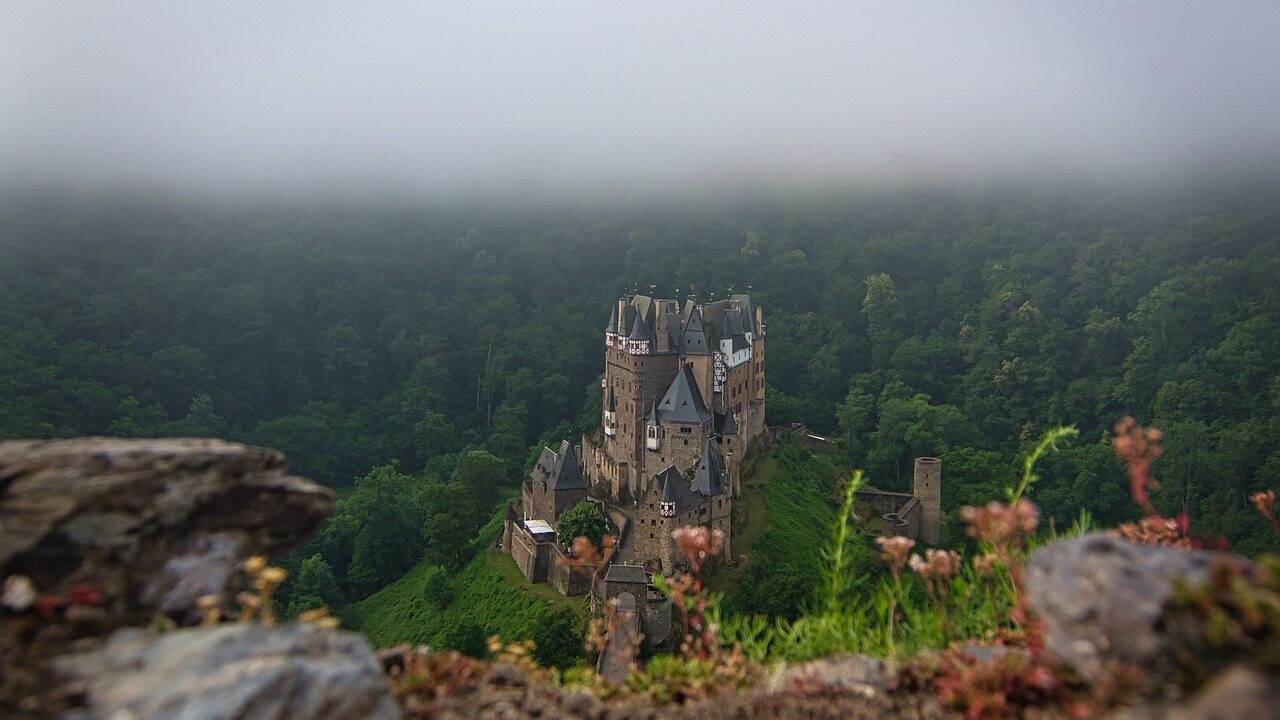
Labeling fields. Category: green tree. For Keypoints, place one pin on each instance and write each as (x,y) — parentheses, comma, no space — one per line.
(315,587)
(583,520)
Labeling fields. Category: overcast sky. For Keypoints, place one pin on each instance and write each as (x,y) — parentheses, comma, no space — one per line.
(424,95)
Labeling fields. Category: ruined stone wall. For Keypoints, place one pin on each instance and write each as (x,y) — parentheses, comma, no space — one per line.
(912,514)
(882,502)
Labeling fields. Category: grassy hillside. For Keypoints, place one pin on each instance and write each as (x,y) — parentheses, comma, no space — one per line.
(790,507)
(489,593)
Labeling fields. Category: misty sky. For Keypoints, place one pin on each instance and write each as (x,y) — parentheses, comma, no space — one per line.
(569,95)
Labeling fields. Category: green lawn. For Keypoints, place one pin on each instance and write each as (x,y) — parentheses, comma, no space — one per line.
(489,592)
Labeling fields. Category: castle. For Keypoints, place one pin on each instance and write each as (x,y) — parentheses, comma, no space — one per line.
(682,399)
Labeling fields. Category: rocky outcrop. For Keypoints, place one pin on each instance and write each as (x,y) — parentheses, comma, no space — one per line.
(101,533)
(151,524)
(1102,599)
(238,671)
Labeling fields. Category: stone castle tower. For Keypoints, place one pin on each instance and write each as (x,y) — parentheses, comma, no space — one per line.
(683,398)
(927,488)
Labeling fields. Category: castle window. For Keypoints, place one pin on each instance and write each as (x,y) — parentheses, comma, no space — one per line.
(686,430)
(650,536)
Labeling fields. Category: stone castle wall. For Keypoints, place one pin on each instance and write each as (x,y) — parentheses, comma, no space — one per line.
(531,556)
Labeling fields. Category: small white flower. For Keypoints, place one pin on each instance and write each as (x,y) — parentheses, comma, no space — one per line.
(19,593)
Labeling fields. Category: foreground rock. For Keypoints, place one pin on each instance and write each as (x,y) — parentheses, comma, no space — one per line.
(845,688)
(1103,599)
(151,524)
(108,533)
(1240,691)
(246,672)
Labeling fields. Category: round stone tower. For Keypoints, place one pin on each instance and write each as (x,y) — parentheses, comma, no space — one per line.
(508,524)
(927,487)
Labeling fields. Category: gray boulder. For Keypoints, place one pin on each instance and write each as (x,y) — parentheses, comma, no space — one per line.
(245,672)
(153,524)
(1102,598)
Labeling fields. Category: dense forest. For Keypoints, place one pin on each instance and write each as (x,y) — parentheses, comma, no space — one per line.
(413,357)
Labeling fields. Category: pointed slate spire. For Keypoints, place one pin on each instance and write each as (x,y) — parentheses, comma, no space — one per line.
(640,329)
(708,479)
(652,417)
(612,327)
(683,403)
(670,493)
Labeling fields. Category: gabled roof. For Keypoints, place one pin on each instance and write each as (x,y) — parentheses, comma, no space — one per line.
(559,469)
(676,490)
(726,424)
(644,306)
(683,402)
(709,476)
(627,319)
(626,574)
(694,341)
(568,474)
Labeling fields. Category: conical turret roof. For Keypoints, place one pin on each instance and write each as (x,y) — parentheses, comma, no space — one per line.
(640,329)
(676,490)
(683,402)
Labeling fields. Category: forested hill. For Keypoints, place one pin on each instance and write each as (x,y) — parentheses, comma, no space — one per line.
(919,323)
